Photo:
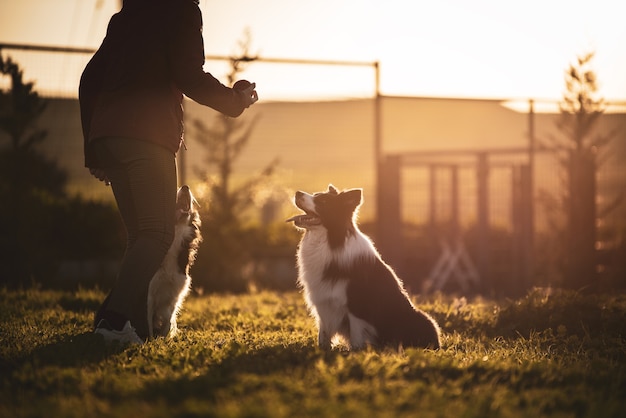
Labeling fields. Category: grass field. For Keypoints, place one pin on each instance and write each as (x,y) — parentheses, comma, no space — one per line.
(548,354)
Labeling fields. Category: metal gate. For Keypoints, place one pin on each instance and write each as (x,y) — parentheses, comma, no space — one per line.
(475,207)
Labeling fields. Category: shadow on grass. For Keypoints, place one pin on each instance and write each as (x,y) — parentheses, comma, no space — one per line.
(70,351)
(79,305)
(237,365)
(591,316)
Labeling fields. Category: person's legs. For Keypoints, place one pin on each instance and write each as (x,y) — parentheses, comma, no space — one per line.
(143,178)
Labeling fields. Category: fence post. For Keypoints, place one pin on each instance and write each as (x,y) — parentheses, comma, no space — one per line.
(389,239)
(482,174)
(454,203)
(581,266)
(529,187)
(522,236)
(528,227)
(432,197)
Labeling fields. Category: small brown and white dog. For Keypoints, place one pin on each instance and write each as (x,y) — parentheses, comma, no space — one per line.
(353,295)
(171,283)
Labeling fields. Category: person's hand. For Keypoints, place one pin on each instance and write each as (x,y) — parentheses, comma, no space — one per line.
(248,91)
(100,175)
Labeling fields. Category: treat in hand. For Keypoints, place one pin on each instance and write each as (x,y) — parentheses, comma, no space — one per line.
(241,84)
(248,88)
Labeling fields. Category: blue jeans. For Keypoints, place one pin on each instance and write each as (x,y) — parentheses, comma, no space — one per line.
(144,181)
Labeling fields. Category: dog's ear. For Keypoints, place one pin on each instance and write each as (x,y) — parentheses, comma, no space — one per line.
(193,201)
(332,189)
(352,197)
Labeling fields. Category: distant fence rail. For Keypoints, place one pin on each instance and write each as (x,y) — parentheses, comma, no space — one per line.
(56,70)
(482,212)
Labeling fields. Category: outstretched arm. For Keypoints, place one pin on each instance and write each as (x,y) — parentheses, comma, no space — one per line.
(187,60)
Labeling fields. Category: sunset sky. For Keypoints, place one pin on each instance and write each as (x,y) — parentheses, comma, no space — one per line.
(449,48)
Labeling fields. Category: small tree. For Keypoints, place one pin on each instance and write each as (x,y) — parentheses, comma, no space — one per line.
(39,224)
(20,108)
(23,166)
(227,249)
(26,176)
(581,150)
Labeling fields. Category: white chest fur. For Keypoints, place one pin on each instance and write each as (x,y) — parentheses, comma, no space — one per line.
(326,297)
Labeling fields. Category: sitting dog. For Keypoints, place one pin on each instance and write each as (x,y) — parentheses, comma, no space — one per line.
(350,291)
(171,283)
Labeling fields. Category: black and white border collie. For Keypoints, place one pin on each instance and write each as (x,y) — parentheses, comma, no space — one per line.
(171,283)
(353,295)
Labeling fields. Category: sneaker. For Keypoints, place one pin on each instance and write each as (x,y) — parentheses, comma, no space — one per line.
(126,335)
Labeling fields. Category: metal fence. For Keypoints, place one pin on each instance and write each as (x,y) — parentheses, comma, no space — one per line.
(491,220)
(473,217)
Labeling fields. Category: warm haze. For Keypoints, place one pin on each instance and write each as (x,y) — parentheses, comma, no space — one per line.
(448,48)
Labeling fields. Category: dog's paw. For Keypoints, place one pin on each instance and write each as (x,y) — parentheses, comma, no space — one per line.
(160,328)
(323,341)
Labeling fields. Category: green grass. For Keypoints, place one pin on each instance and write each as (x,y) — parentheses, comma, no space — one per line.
(560,354)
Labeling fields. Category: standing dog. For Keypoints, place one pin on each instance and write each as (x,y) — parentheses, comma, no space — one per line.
(349,290)
(171,283)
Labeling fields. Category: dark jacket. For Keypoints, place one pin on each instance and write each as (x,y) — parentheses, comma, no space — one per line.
(133,86)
